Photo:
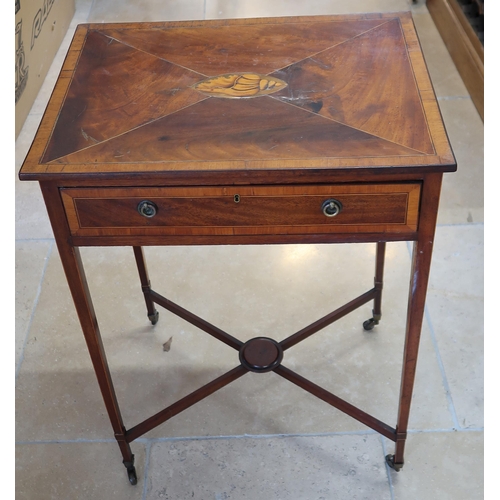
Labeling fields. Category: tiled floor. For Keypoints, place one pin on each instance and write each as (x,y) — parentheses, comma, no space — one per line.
(254,440)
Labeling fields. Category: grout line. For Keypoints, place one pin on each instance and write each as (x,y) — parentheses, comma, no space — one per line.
(444,379)
(451,406)
(461,224)
(38,240)
(453,97)
(35,304)
(452,429)
(387,468)
(256,436)
(205,9)
(146,471)
(151,441)
(409,246)
(66,441)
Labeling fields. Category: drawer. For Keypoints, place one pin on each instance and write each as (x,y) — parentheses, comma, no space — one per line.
(243,210)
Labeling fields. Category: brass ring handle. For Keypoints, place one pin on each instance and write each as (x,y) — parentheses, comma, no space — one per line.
(147,208)
(331,207)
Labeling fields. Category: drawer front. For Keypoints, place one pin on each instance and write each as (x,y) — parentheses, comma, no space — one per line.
(367,208)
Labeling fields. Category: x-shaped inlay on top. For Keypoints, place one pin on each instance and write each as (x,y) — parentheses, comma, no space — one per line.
(143,95)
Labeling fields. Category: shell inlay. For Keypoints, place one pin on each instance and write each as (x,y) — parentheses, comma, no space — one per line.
(236,85)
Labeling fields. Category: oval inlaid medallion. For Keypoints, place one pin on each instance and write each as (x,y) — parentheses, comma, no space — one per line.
(237,85)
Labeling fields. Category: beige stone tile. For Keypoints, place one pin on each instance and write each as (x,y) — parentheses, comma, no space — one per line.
(223,291)
(298,468)
(145,10)
(57,396)
(291,291)
(444,74)
(82,11)
(77,471)
(31,258)
(261,8)
(458,260)
(462,198)
(25,138)
(31,219)
(444,465)
(248,292)
(456,308)
(419,7)
(458,324)
(430,408)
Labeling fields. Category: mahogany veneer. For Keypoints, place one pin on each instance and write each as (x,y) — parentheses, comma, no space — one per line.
(257,210)
(319,129)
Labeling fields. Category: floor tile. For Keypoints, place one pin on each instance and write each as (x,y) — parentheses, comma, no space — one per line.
(76,471)
(31,258)
(430,407)
(459,330)
(298,468)
(462,197)
(248,292)
(274,292)
(31,219)
(104,11)
(419,7)
(444,75)
(57,395)
(25,138)
(82,11)
(448,466)
(225,9)
(458,260)
(456,310)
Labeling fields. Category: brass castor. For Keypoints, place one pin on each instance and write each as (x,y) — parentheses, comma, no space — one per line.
(369,324)
(390,462)
(154,317)
(132,474)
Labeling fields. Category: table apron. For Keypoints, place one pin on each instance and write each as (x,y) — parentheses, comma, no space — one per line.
(242,215)
(102,241)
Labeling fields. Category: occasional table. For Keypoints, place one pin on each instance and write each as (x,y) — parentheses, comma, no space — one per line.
(318,129)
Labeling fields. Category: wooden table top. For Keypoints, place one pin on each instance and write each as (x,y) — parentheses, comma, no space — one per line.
(278,94)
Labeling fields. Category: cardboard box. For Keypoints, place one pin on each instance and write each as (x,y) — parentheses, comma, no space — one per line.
(40,28)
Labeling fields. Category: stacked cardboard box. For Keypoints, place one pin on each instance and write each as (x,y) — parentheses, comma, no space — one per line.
(40,28)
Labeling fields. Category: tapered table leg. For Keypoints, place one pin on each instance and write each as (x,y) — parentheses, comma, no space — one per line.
(369,324)
(421,263)
(73,268)
(146,284)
